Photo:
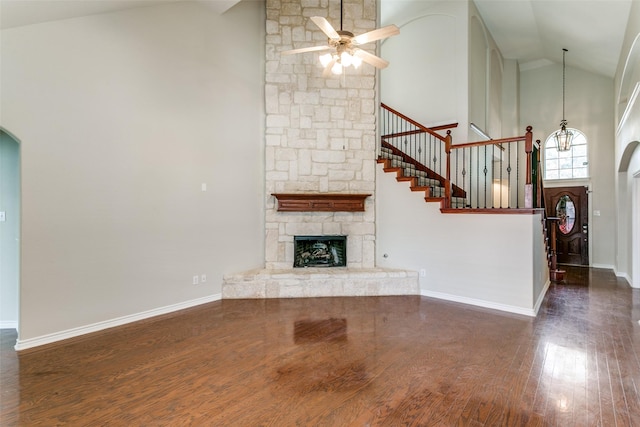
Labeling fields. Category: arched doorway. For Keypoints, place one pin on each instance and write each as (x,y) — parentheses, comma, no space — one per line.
(9,230)
(628,206)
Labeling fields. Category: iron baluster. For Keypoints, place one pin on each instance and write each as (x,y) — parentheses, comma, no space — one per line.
(509,176)
(485,170)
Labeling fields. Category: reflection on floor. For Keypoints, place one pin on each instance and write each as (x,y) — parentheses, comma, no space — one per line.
(402,360)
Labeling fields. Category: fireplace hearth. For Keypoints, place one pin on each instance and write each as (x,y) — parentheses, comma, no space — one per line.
(320,251)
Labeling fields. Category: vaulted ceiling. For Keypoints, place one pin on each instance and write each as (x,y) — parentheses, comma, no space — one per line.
(534,32)
(16,13)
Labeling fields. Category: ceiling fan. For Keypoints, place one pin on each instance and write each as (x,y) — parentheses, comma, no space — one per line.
(344,46)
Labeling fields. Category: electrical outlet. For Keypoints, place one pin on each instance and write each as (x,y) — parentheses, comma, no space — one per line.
(195,280)
(203,278)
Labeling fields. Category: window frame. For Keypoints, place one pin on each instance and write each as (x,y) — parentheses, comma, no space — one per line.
(574,155)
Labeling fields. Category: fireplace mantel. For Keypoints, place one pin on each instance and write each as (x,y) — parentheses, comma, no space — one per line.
(320,202)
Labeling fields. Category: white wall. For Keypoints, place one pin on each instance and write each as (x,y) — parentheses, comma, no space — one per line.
(479,70)
(446,68)
(589,108)
(488,260)
(511,98)
(122,117)
(627,153)
(427,78)
(633,241)
(635,230)
(628,202)
(540,262)
(9,230)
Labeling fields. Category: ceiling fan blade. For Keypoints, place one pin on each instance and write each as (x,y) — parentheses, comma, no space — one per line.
(327,69)
(305,49)
(326,27)
(369,58)
(380,33)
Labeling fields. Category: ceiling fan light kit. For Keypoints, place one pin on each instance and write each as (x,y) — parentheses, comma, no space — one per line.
(343,48)
(344,56)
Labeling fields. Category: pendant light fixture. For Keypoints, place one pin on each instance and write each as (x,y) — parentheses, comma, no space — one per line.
(563,136)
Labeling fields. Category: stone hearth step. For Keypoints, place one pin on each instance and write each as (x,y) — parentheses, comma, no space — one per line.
(320,282)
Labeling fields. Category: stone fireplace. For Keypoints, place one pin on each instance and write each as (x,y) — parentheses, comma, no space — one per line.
(320,142)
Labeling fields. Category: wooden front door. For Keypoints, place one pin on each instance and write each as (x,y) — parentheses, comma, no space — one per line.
(571,205)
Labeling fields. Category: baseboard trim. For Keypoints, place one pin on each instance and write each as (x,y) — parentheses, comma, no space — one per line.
(119,321)
(536,308)
(8,324)
(479,303)
(626,277)
(607,266)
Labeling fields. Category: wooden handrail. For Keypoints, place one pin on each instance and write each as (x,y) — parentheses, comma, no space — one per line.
(443,127)
(454,170)
(419,131)
(405,133)
(491,142)
(413,122)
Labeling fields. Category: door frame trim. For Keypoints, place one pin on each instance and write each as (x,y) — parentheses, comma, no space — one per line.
(578,183)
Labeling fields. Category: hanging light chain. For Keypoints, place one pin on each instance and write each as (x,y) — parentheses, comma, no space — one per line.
(563,136)
(564,51)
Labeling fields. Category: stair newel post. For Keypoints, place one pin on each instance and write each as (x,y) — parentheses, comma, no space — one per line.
(528,188)
(555,274)
(539,176)
(447,187)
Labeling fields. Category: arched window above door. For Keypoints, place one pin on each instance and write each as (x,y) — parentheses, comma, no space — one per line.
(570,164)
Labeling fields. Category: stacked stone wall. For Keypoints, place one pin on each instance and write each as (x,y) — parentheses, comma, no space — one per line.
(320,131)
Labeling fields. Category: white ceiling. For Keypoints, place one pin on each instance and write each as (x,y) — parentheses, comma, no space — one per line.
(532,31)
(535,31)
(16,13)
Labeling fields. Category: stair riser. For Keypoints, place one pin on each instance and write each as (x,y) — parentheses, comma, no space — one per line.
(421,178)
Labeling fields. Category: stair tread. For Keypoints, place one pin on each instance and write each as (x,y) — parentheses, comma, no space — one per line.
(407,172)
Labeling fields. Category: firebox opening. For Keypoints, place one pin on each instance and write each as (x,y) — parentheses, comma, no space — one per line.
(320,251)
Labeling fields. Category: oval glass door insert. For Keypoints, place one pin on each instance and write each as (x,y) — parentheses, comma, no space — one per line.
(566,211)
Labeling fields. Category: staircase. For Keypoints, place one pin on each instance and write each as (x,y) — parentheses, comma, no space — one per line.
(496,176)
(491,176)
(421,178)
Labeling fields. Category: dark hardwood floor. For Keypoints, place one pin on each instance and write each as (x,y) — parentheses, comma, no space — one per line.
(371,361)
